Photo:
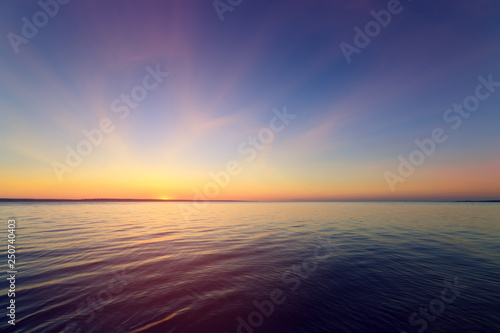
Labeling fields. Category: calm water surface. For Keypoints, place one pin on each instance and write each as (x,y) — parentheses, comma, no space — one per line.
(255,267)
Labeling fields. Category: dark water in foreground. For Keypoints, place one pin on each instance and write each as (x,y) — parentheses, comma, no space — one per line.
(328,267)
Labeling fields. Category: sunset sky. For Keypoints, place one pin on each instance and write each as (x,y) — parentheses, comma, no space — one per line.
(228,79)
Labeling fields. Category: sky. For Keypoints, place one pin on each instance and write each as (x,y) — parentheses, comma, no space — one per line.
(250,100)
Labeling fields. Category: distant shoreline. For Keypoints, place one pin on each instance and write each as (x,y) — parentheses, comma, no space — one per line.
(112,200)
(185,200)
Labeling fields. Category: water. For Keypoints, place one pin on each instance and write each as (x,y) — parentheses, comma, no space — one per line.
(141,267)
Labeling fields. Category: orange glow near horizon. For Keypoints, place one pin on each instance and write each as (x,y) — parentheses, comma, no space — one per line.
(468,182)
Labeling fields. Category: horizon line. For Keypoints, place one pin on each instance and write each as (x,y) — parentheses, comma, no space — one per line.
(191,200)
